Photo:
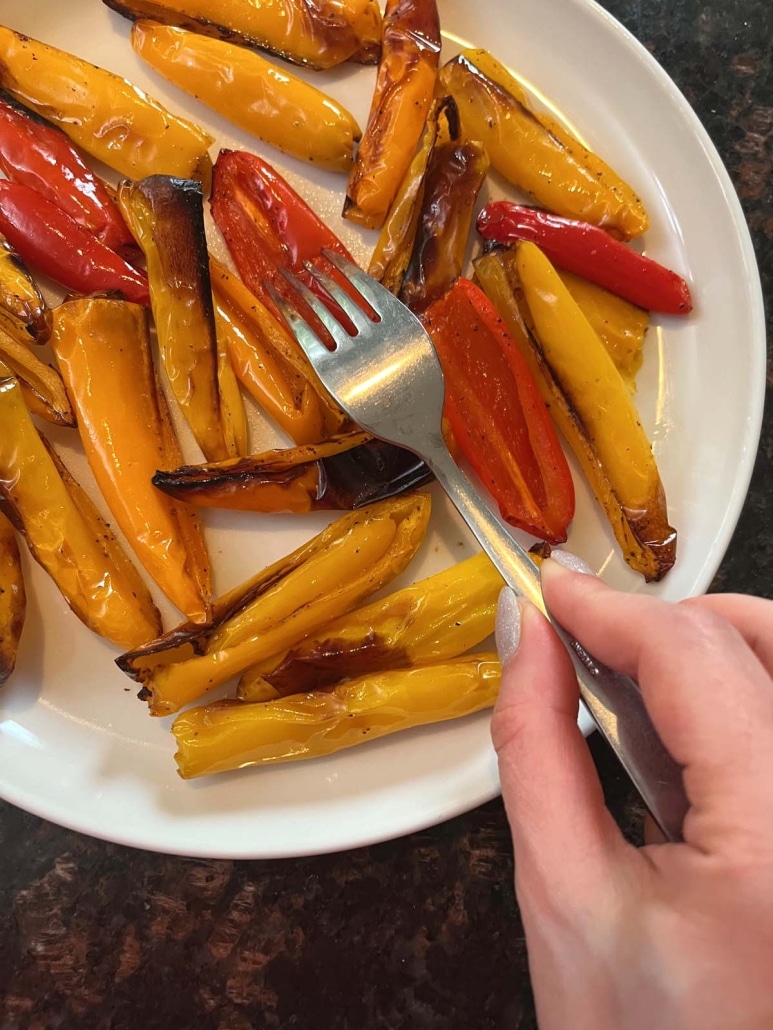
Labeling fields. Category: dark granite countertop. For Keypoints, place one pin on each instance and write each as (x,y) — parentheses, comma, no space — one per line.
(421,932)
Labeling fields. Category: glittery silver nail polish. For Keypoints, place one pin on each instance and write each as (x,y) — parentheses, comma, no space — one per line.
(508,625)
(571,561)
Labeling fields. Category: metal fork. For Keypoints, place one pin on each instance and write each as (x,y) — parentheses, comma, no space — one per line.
(388,379)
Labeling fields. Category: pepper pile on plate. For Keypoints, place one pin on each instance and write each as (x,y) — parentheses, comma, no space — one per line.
(546,337)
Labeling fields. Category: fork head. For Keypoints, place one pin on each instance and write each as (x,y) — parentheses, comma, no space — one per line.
(386,375)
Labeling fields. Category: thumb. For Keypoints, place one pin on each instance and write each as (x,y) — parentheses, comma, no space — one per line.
(564,838)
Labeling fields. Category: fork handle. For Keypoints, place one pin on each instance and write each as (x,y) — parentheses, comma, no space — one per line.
(613,700)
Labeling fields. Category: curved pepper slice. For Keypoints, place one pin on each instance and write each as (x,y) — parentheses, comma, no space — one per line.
(234,734)
(392,252)
(37,154)
(340,474)
(329,575)
(454,176)
(22,305)
(430,621)
(269,363)
(102,113)
(269,227)
(65,534)
(590,252)
(51,241)
(166,216)
(103,350)
(620,326)
(13,599)
(41,385)
(317,33)
(533,151)
(405,87)
(277,107)
(588,399)
(497,415)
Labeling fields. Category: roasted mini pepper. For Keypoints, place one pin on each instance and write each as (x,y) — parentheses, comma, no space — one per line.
(392,252)
(268,102)
(269,363)
(590,252)
(103,350)
(64,532)
(322,579)
(234,734)
(589,402)
(167,218)
(455,174)
(49,240)
(317,33)
(431,621)
(340,474)
(39,155)
(23,308)
(620,326)
(405,87)
(13,599)
(269,227)
(496,413)
(102,113)
(534,151)
(41,385)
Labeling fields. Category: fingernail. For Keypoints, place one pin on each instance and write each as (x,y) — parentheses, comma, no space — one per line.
(507,630)
(571,561)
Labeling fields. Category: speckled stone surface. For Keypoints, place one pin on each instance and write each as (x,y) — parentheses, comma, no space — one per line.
(418,933)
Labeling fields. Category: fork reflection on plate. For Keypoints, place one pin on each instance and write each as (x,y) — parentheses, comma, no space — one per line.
(385,374)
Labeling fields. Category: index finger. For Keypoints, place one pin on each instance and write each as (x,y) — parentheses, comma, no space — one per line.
(708,693)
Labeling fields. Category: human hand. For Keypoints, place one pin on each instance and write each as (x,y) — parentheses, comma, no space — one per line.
(669,936)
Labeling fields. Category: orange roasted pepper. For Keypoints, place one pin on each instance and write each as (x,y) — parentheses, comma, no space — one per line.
(103,349)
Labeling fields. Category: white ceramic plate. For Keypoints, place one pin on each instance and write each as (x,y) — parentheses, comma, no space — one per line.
(76,746)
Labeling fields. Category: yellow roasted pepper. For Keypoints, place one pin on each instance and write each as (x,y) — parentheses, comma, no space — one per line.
(167,219)
(288,479)
(270,364)
(236,430)
(431,621)
(41,385)
(65,533)
(533,151)
(392,252)
(103,349)
(588,400)
(328,576)
(106,115)
(620,325)
(264,100)
(13,600)
(234,734)
(320,33)
(23,309)
(405,87)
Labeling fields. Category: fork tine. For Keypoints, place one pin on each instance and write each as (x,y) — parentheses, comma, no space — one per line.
(313,347)
(353,311)
(369,288)
(323,313)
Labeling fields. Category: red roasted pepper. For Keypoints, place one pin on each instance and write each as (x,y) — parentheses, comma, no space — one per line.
(49,240)
(268,226)
(37,154)
(497,415)
(590,252)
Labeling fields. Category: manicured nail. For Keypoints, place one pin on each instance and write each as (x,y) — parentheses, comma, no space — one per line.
(570,561)
(508,625)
